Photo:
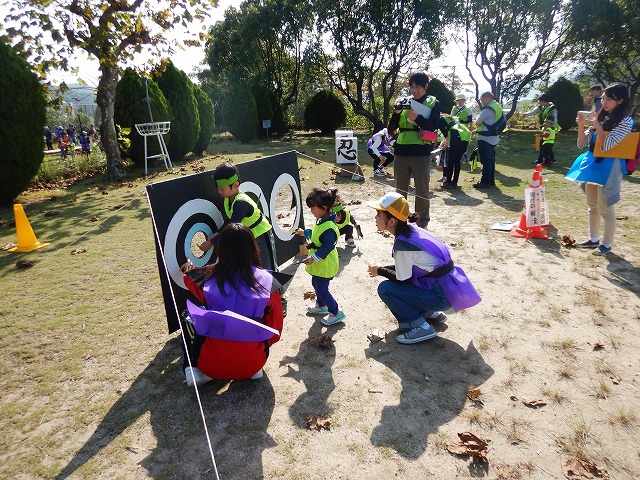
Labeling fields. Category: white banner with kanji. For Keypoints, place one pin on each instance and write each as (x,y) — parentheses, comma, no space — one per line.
(536,207)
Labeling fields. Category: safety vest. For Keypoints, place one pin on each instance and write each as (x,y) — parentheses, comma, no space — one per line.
(408,131)
(463,130)
(461,113)
(257,222)
(552,135)
(347,216)
(497,110)
(544,113)
(327,267)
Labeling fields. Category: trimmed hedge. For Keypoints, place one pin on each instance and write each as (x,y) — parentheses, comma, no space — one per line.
(324,112)
(131,108)
(23,116)
(207,120)
(239,113)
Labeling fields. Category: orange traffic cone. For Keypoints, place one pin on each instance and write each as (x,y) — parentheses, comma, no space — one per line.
(27,240)
(522,231)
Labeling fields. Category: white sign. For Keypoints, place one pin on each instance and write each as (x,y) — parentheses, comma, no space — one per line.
(344,133)
(536,207)
(346,150)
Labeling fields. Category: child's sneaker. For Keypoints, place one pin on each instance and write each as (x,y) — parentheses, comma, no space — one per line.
(377,172)
(332,319)
(316,310)
(382,171)
(200,377)
(417,334)
(351,243)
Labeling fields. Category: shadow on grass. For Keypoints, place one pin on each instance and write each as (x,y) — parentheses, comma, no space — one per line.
(435,376)
(237,415)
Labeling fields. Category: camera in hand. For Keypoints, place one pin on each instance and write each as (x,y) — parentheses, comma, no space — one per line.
(402,104)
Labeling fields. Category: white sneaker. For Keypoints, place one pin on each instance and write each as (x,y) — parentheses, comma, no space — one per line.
(382,171)
(378,172)
(257,375)
(200,377)
(351,243)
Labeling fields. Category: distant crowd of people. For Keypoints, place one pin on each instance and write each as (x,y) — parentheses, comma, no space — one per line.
(68,139)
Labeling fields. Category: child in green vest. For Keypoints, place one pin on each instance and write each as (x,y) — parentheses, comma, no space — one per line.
(322,262)
(346,223)
(240,208)
(548,139)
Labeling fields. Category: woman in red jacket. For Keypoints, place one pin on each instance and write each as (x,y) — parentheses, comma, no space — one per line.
(229,339)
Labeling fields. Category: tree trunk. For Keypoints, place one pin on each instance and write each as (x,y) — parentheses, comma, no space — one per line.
(106,99)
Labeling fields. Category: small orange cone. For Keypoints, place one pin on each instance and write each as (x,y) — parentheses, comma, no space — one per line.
(522,231)
(27,240)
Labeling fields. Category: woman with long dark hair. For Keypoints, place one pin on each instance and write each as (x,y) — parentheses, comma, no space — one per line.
(226,340)
(600,178)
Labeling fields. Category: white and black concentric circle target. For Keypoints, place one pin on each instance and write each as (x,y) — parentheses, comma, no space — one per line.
(197,219)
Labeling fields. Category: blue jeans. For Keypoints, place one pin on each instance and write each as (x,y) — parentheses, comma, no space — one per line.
(408,302)
(487,157)
(323,295)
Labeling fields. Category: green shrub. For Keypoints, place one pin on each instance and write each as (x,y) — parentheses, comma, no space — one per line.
(185,126)
(239,112)
(207,120)
(131,108)
(324,112)
(22,114)
(566,97)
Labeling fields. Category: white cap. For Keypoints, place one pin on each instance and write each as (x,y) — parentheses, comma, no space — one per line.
(460,97)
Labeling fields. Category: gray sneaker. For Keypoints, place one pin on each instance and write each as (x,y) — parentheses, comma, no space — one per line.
(434,317)
(417,334)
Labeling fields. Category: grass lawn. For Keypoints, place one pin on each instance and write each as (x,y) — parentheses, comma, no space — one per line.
(83,339)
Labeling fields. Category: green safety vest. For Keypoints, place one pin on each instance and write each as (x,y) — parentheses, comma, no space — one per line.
(497,110)
(462,114)
(552,135)
(347,216)
(544,113)
(408,131)
(327,267)
(463,130)
(257,223)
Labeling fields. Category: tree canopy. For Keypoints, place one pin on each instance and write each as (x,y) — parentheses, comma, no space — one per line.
(45,32)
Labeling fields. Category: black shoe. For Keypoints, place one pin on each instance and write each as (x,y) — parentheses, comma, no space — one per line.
(536,162)
(587,244)
(482,185)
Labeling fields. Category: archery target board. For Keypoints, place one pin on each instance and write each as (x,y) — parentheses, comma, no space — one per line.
(187,210)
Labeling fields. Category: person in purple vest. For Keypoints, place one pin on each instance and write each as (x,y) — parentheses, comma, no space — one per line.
(424,280)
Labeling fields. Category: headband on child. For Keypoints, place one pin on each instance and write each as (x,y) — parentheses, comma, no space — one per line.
(337,208)
(225,182)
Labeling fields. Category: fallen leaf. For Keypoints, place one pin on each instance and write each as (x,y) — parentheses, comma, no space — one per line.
(567,241)
(8,246)
(24,264)
(76,251)
(513,397)
(118,207)
(104,192)
(622,217)
(533,402)
(309,295)
(94,218)
(376,335)
(51,213)
(615,379)
(474,394)
(470,445)
(597,346)
(317,422)
(573,467)
(323,341)
(374,391)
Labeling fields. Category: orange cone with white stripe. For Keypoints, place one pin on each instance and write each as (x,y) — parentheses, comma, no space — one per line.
(522,230)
